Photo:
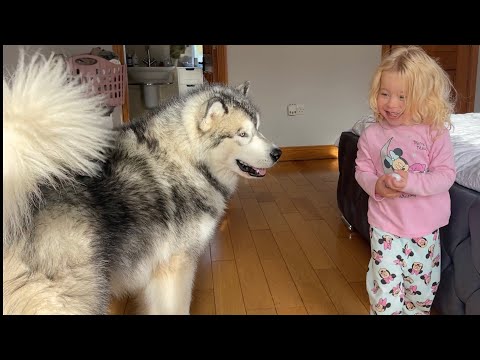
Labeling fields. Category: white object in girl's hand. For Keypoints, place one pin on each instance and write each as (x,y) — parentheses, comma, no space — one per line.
(396,176)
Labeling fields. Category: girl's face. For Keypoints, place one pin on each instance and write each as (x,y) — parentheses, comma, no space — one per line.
(391,99)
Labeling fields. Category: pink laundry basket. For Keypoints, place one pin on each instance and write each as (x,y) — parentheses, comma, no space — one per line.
(104,76)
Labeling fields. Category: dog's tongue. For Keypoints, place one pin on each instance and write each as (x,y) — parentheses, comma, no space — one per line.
(260,172)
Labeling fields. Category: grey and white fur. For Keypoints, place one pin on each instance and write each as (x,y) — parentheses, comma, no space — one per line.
(90,214)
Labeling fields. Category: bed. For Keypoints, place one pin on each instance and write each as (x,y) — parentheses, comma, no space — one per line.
(459,290)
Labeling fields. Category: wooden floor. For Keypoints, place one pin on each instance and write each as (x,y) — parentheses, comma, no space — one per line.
(282,249)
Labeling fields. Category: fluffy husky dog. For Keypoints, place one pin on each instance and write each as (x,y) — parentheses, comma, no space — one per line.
(89,214)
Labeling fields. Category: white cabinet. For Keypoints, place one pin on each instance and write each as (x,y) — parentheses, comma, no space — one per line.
(188,78)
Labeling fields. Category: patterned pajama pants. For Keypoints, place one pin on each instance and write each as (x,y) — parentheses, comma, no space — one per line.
(403,273)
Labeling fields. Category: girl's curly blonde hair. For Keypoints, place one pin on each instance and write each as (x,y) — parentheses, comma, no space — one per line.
(430,97)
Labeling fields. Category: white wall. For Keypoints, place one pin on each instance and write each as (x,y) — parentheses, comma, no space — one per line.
(10,58)
(331,80)
(476,106)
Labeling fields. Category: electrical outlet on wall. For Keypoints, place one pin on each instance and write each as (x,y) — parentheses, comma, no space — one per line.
(300,109)
(292,109)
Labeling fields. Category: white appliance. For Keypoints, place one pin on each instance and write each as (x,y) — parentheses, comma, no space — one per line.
(188,78)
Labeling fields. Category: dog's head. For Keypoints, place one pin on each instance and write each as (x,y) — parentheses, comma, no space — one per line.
(229,126)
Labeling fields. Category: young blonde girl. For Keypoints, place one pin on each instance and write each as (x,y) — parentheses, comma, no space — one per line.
(405,163)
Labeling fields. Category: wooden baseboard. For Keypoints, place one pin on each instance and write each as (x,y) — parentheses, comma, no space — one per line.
(318,152)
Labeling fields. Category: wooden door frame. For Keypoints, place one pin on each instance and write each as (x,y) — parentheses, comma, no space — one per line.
(120,51)
(220,64)
(219,70)
(467,58)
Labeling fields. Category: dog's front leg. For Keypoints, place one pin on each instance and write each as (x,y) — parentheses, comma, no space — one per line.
(170,288)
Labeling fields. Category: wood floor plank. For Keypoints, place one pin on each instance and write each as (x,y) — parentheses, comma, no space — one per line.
(227,291)
(358,247)
(319,199)
(266,245)
(272,184)
(253,282)
(271,311)
(331,186)
(264,197)
(274,217)
(244,190)
(283,168)
(309,242)
(287,184)
(247,195)
(361,292)
(320,309)
(256,292)
(337,251)
(341,293)
(281,285)
(298,310)
(284,203)
(240,235)
(308,285)
(203,302)
(315,179)
(258,185)
(243,185)
(330,215)
(298,178)
(254,214)
(332,198)
(306,208)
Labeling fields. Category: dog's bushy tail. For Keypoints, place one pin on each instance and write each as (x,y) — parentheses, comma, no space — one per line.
(52,130)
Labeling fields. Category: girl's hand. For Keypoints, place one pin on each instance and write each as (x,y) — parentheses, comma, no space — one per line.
(382,189)
(392,183)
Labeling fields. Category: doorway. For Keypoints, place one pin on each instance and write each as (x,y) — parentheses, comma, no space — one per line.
(214,69)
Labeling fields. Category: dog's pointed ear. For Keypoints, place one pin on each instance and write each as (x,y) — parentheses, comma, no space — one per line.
(216,108)
(244,87)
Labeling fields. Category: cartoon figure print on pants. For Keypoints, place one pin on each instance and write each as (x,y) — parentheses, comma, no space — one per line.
(401,272)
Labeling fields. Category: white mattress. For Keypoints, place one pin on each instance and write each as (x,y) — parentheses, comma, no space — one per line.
(465,136)
(466,147)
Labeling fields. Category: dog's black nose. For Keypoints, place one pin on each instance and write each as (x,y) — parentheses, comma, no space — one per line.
(275,154)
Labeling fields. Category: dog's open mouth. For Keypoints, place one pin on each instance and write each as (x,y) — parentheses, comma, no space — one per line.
(252,171)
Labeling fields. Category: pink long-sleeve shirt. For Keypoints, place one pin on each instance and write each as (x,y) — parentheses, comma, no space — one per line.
(424,206)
